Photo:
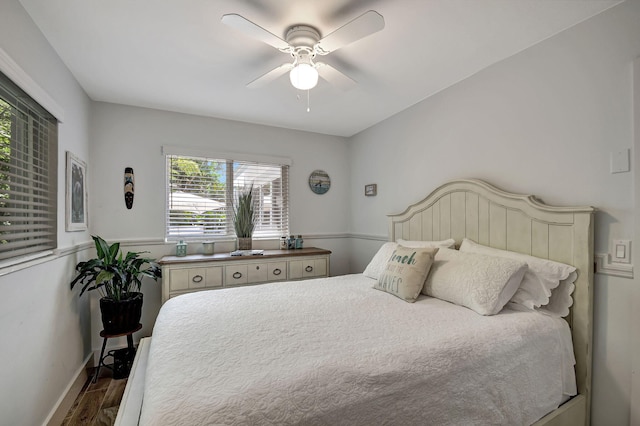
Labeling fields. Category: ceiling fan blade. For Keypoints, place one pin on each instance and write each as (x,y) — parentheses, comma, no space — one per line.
(242,24)
(270,76)
(335,77)
(366,24)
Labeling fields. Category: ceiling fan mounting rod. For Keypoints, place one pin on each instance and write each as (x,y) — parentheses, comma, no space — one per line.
(302,36)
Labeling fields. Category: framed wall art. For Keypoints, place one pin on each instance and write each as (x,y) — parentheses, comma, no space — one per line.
(371,189)
(76,207)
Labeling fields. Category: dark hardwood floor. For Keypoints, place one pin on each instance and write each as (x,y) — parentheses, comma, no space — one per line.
(97,403)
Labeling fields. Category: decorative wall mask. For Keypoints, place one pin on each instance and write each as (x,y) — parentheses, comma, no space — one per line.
(128,187)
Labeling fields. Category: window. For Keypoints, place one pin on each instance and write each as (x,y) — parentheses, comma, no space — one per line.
(28,174)
(201,192)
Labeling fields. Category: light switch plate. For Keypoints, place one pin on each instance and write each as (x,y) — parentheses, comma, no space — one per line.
(619,161)
(621,251)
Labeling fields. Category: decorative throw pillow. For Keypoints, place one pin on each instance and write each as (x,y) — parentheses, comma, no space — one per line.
(482,283)
(541,278)
(406,271)
(379,260)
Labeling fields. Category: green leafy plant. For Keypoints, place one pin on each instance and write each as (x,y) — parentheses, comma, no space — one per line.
(244,214)
(112,274)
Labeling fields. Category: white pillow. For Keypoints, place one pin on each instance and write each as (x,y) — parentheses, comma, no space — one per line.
(540,279)
(479,282)
(561,300)
(406,271)
(380,259)
(450,243)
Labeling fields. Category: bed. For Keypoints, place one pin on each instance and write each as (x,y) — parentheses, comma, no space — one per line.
(337,351)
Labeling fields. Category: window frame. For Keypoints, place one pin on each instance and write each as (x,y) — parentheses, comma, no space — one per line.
(229,234)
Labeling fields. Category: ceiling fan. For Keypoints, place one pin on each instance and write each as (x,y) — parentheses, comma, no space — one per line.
(303,43)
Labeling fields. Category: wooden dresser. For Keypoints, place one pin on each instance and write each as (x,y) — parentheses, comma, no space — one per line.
(205,272)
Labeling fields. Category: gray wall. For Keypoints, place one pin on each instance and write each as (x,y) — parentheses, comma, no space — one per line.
(44,327)
(541,122)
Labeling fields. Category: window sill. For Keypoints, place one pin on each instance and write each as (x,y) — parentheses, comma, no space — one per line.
(10,266)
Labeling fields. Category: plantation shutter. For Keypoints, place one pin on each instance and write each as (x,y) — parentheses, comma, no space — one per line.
(201,192)
(28,174)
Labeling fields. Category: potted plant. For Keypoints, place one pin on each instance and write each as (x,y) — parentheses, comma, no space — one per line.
(118,280)
(244,218)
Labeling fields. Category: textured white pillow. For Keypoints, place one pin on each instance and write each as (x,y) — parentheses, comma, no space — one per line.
(479,282)
(540,279)
(450,243)
(379,260)
(405,272)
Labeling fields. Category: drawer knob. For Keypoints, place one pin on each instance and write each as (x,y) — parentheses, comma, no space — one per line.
(237,275)
(257,268)
(309,268)
(197,278)
(277,271)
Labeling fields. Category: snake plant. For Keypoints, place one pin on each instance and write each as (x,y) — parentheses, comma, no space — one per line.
(244,214)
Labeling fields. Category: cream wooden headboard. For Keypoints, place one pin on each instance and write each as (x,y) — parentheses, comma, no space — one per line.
(476,210)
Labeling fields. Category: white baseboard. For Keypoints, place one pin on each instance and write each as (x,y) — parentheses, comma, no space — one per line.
(60,410)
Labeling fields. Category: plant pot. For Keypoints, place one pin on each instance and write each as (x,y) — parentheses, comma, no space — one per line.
(244,243)
(123,315)
(122,362)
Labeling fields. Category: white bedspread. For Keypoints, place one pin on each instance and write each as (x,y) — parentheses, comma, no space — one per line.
(335,351)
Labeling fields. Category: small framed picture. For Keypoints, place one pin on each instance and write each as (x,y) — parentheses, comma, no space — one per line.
(76,194)
(371,189)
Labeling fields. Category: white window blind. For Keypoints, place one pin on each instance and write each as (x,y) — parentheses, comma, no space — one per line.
(28,174)
(201,192)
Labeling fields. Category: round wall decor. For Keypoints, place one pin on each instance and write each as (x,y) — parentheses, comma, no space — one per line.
(319,181)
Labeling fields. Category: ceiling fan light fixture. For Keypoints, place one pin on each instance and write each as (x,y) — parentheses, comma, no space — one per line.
(304,76)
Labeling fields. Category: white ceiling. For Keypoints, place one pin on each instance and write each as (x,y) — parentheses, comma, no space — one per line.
(177,55)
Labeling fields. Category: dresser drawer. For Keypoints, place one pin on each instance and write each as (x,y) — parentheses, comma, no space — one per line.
(195,278)
(307,268)
(276,271)
(255,273)
(236,274)
(213,276)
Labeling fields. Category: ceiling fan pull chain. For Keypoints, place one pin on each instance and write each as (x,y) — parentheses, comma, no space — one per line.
(308,109)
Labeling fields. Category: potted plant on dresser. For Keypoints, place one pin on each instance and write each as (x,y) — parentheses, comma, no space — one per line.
(244,218)
(118,279)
